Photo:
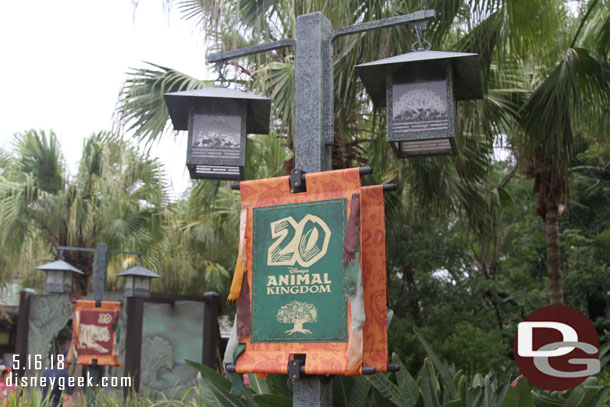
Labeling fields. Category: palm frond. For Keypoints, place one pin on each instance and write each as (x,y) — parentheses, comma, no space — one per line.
(580,79)
(40,156)
(141,106)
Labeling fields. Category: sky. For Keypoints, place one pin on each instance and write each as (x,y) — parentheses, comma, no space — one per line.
(62,64)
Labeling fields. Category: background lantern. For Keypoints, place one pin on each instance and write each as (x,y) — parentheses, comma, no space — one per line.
(420,90)
(217,120)
(58,277)
(138,281)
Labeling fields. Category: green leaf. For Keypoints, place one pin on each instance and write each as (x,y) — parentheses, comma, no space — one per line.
(538,402)
(576,396)
(429,385)
(406,383)
(215,387)
(463,394)
(441,367)
(342,387)
(259,386)
(272,400)
(597,400)
(477,380)
(360,390)
(279,384)
(385,386)
(519,394)
(594,395)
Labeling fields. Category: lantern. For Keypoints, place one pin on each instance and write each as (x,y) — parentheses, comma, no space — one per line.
(58,277)
(420,90)
(138,281)
(217,120)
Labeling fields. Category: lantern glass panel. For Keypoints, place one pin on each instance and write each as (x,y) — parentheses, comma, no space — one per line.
(421,110)
(216,135)
(217,140)
(141,286)
(128,288)
(68,281)
(54,281)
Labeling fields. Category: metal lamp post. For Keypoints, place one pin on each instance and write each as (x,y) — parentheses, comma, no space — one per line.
(313,115)
(98,283)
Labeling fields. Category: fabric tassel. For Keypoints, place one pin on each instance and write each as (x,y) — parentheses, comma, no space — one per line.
(232,352)
(243,309)
(352,286)
(242,257)
(237,379)
(355,345)
(352,232)
(231,345)
(238,276)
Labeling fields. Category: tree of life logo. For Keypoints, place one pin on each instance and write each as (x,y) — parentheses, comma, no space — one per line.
(309,242)
(556,348)
(297,313)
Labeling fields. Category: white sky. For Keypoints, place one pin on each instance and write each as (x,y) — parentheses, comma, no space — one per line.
(62,64)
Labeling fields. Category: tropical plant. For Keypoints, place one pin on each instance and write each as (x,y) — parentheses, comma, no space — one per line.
(437,384)
(577,89)
(115,197)
(470,208)
(451,187)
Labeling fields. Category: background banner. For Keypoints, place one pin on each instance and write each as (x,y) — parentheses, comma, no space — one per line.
(94,332)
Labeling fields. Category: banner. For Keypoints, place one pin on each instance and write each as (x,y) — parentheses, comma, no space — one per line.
(296,291)
(94,331)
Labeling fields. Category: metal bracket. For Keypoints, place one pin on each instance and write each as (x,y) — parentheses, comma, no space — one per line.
(297,181)
(294,369)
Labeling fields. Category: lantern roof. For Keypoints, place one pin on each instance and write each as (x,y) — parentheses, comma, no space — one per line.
(466,69)
(179,104)
(59,265)
(139,271)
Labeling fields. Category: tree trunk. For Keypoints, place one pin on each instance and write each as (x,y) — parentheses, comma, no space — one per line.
(553,253)
(298,326)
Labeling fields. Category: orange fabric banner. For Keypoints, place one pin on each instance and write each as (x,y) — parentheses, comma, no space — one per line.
(322,357)
(374,279)
(94,332)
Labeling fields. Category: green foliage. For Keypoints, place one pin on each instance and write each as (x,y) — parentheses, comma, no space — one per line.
(437,384)
(475,349)
(467,256)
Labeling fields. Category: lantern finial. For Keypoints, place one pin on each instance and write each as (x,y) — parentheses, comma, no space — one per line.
(221,81)
(420,27)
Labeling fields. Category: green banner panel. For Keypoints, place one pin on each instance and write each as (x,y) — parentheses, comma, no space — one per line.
(297,293)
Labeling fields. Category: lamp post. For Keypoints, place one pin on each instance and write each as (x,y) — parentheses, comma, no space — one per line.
(98,283)
(313,116)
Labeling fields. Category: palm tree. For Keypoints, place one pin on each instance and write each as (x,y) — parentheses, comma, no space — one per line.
(576,89)
(357,131)
(512,38)
(115,197)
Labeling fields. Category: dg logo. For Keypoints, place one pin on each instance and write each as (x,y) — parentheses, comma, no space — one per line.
(303,242)
(557,348)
